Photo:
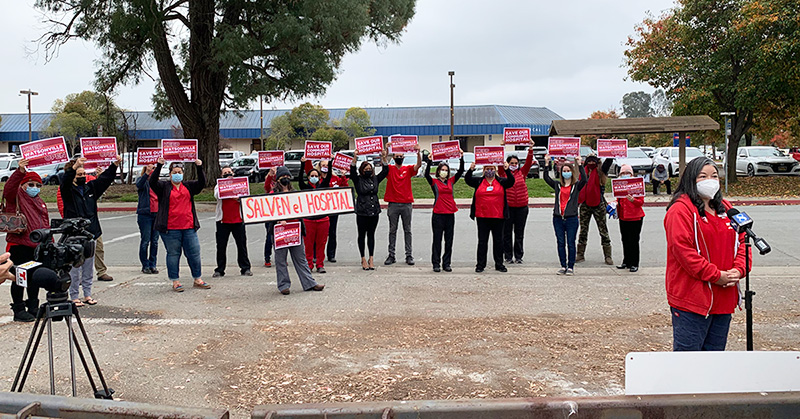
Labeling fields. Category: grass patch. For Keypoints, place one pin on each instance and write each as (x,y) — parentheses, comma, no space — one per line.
(780,186)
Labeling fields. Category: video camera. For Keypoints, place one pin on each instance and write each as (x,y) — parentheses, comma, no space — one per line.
(54,259)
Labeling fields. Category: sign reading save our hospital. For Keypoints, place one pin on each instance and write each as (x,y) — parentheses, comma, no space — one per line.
(44,152)
(369,146)
(315,150)
(517,136)
(296,204)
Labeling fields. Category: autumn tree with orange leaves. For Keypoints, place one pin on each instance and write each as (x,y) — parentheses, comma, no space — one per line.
(712,56)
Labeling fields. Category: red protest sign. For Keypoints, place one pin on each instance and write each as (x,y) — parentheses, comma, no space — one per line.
(490,155)
(369,146)
(612,148)
(147,155)
(44,152)
(179,150)
(342,162)
(631,185)
(233,187)
(93,166)
(445,150)
(319,150)
(405,144)
(271,158)
(296,204)
(287,235)
(564,147)
(517,136)
(99,148)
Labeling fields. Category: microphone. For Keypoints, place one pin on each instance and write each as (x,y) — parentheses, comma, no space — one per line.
(39,276)
(742,223)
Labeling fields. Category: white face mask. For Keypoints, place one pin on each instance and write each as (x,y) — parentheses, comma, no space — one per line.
(708,188)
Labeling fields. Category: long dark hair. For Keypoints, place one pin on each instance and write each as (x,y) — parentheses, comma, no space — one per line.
(363,166)
(688,186)
(439,167)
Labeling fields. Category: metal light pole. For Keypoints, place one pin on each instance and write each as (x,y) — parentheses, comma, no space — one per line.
(261,108)
(728,131)
(452,112)
(30,93)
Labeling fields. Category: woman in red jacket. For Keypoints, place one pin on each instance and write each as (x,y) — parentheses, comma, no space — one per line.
(631,214)
(517,207)
(443,220)
(705,260)
(490,210)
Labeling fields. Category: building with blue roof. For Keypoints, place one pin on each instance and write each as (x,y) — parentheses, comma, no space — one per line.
(474,125)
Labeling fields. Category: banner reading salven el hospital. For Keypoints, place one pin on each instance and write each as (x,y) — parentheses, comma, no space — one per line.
(294,205)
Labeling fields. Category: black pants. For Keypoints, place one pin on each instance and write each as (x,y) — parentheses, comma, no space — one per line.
(443,225)
(366,225)
(19,255)
(224,230)
(666,183)
(495,227)
(514,224)
(268,243)
(630,232)
(331,249)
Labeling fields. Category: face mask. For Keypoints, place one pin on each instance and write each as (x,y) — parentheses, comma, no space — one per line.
(708,188)
(285,181)
(324,169)
(624,176)
(313,179)
(177,177)
(443,173)
(367,173)
(566,175)
(513,167)
(228,175)
(489,173)
(399,160)
(80,181)
(32,191)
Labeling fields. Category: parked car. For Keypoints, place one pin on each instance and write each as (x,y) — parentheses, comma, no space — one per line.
(291,159)
(522,155)
(49,173)
(754,161)
(668,156)
(248,166)
(586,151)
(7,167)
(538,154)
(650,151)
(228,156)
(637,158)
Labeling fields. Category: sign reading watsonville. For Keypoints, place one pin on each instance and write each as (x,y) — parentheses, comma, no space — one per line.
(631,185)
(405,144)
(233,187)
(179,150)
(44,152)
(445,150)
(99,148)
(490,155)
(296,204)
(564,147)
(287,235)
(270,158)
(612,148)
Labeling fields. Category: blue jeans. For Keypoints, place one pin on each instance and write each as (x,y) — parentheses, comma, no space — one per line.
(148,239)
(566,231)
(696,332)
(182,240)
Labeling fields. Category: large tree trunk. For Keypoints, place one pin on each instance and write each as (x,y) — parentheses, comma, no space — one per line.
(740,125)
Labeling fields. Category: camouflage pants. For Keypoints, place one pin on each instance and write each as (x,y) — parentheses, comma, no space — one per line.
(599,214)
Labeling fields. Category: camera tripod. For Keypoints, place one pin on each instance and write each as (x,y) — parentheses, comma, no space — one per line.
(59,307)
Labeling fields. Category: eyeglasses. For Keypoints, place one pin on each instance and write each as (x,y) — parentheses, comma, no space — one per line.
(81,175)
(34,184)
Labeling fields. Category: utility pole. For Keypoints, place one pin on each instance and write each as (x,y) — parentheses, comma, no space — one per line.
(30,93)
(452,111)
(261,107)
(727,116)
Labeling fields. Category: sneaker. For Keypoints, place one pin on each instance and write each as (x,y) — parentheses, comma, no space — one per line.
(247,273)
(623,266)
(217,274)
(146,271)
(332,260)
(448,269)
(570,272)
(153,270)
(634,269)
(561,271)
(437,269)
(509,261)
(389,260)
(410,260)
(478,270)
(267,264)
(321,270)
(518,261)
(105,277)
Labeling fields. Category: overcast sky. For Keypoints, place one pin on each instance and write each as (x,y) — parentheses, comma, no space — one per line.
(563,55)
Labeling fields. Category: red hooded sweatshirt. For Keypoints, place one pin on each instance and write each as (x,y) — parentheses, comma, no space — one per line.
(698,248)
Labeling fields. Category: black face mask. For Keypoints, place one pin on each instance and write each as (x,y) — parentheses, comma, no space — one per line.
(228,175)
(285,181)
(367,173)
(399,160)
(80,181)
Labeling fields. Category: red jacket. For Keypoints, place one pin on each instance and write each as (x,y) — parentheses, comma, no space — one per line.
(517,195)
(698,248)
(630,211)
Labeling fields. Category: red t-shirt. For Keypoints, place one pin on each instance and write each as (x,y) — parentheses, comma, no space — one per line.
(398,185)
(230,211)
(564,198)
(153,201)
(445,204)
(489,200)
(180,209)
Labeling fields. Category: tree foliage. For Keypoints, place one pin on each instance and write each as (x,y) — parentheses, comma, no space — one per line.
(636,105)
(712,56)
(211,55)
(356,123)
(82,115)
(312,122)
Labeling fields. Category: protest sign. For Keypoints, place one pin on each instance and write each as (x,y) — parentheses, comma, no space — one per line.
(44,152)
(318,150)
(342,162)
(369,146)
(296,204)
(287,235)
(271,158)
(99,148)
(233,187)
(92,166)
(147,155)
(631,185)
(612,148)
(179,150)
(403,144)
(490,155)
(445,150)
(564,147)
(517,136)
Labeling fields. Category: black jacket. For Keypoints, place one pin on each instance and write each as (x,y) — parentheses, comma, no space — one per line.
(572,205)
(475,182)
(163,188)
(82,202)
(367,203)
